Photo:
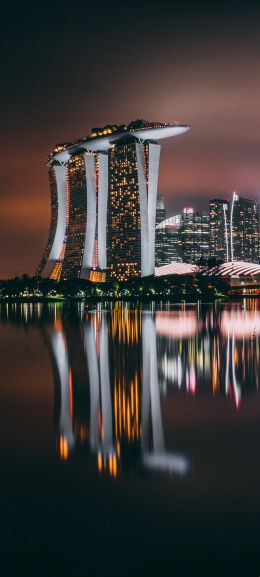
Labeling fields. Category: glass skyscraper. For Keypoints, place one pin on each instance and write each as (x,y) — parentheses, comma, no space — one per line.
(194,235)
(234,229)
(167,241)
(183,238)
(219,226)
(244,225)
(160,209)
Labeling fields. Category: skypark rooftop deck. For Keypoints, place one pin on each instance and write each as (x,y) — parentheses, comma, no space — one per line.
(102,139)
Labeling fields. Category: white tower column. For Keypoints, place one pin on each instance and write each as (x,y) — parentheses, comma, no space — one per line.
(153,173)
(97,197)
(91,214)
(147,199)
(102,210)
(60,176)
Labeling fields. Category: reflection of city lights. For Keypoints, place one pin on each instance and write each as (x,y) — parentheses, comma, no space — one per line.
(64,448)
(240,323)
(177,324)
(172,369)
(107,464)
(71,393)
(167,462)
(131,359)
(193,380)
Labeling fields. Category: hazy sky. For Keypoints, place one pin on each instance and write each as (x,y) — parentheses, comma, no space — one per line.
(72,65)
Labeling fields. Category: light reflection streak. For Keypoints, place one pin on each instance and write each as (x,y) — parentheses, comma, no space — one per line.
(173,324)
(242,324)
(222,356)
(64,377)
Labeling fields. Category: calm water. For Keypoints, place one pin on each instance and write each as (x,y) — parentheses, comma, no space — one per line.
(130,440)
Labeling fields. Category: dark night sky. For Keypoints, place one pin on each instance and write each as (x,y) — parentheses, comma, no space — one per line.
(69,66)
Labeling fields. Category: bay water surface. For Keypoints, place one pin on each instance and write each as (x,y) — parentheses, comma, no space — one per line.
(130,439)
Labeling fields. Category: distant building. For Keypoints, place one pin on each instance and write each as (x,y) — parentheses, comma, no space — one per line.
(219,229)
(183,238)
(244,229)
(194,236)
(234,229)
(160,209)
(159,232)
(167,239)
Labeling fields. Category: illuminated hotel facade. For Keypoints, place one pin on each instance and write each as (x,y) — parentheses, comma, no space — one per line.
(103,203)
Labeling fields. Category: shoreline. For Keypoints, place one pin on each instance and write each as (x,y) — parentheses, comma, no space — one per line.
(109,299)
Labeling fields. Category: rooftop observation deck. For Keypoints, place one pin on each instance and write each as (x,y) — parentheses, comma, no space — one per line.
(102,139)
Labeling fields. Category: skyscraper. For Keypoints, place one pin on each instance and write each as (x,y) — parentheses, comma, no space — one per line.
(244,229)
(183,238)
(159,233)
(103,203)
(219,227)
(160,209)
(194,235)
(167,241)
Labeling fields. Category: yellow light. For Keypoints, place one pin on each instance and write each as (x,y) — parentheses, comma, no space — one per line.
(99,462)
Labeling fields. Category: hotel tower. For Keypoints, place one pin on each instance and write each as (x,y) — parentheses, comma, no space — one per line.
(103,203)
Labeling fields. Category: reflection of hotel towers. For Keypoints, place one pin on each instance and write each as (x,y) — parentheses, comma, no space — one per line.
(64,377)
(213,351)
(125,335)
(126,426)
(157,458)
(103,202)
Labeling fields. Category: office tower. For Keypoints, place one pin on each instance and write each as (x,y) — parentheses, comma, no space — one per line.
(167,241)
(194,236)
(219,229)
(160,209)
(159,234)
(244,229)
(103,203)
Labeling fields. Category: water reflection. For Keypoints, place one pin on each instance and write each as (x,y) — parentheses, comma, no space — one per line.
(113,367)
(113,357)
(210,350)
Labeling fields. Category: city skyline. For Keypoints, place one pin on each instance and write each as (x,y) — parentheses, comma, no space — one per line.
(103,202)
(228,231)
(130,288)
(203,74)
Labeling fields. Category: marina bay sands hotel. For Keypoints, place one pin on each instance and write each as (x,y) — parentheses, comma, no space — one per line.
(103,203)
